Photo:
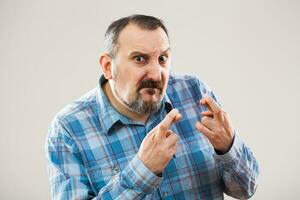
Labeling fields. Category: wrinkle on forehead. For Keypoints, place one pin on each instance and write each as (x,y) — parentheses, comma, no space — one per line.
(146,52)
(132,39)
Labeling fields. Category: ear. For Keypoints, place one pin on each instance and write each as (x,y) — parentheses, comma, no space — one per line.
(106,65)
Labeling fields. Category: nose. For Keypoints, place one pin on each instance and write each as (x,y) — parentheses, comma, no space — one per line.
(154,71)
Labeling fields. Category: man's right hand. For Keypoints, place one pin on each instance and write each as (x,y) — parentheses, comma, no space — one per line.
(159,146)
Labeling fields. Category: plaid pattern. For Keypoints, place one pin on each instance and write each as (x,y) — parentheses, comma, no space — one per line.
(91,150)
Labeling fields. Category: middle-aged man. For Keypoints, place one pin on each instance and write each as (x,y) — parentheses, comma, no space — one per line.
(146,134)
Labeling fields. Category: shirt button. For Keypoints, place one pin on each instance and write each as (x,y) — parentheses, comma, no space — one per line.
(116,169)
(165,194)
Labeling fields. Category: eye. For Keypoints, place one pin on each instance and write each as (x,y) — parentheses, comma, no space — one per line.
(139,59)
(163,58)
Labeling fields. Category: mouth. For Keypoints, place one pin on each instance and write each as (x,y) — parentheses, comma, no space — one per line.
(150,91)
(150,87)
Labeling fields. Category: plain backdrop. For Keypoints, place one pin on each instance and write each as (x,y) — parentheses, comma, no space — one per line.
(246,51)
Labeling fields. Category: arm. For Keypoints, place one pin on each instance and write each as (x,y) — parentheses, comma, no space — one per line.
(69,180)
(239,170)
(238,167)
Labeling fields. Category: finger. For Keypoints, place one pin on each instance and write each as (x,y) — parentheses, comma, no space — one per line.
(169,132)
(200,127)
(178,117)
(172,139)
(174,145)
(208,122)
(173,149)
(171,117)
(211,105)
(207,114)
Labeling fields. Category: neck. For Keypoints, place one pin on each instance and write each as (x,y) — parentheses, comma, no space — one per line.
(119,106)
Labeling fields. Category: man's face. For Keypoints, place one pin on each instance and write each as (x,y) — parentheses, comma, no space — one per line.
(140,68)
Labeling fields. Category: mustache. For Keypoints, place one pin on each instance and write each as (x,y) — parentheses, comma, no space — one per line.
(149,83)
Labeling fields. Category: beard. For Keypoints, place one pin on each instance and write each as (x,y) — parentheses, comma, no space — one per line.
(138,105)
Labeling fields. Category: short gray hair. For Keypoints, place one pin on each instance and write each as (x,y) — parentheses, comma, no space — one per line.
(113,31)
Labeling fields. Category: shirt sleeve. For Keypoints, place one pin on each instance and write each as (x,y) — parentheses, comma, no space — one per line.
(238,167)
(134,182)
(69,180)
(239,170)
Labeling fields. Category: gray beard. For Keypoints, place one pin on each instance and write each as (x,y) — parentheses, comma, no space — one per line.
(144,107)
(140,106)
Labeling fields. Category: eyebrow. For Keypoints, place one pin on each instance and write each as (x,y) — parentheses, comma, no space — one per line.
(145,54)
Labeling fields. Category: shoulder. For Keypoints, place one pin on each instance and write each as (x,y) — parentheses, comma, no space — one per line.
(74,114)
(186,84)
(182,78)
(185,87)
(177,80)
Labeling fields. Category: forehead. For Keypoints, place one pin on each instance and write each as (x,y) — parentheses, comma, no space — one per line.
(133,38)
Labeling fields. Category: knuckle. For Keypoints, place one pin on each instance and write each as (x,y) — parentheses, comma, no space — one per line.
(219,131)
(163,127)
(199,127)
(173,151)
(219,111)
(176,138)
(165,155)
(204,119)
(211,137)
(214,137)
(174,135)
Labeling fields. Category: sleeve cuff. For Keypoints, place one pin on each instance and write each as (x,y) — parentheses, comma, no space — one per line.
(233,153)
(138,177)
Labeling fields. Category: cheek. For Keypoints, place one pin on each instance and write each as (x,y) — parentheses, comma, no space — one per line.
(165,77)
(127,84)
(137,76)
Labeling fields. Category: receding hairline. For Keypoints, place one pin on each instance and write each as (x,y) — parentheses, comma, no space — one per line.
(144,22)
(139,28)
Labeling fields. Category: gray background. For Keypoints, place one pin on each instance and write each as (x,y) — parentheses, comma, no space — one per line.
(246,51)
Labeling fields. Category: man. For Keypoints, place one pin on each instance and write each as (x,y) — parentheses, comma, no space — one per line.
(146,134)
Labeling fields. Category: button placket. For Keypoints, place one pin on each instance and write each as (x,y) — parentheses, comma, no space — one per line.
(116,169)
(165,193)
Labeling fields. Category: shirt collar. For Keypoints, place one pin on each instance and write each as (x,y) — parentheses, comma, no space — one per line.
(109,116)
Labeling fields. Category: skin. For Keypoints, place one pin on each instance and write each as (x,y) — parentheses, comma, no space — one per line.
(145,55)
(142,55)
(160,145)
(216,125)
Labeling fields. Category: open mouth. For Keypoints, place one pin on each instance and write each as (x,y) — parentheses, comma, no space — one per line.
(150,87)
(150,91)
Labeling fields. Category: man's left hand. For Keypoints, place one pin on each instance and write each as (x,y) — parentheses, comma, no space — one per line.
(215,125)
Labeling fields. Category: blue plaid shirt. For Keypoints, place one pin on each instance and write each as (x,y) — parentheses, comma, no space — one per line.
(92,152)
